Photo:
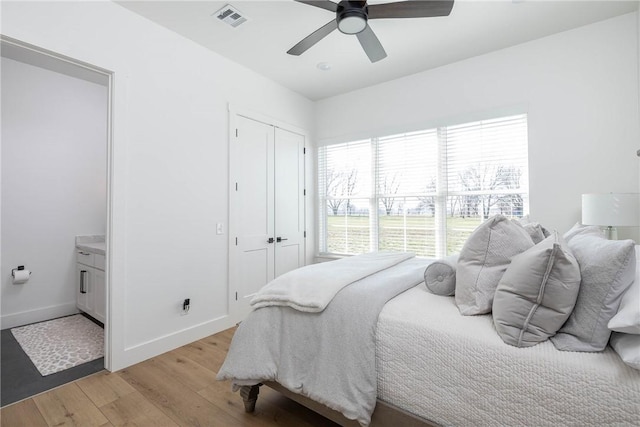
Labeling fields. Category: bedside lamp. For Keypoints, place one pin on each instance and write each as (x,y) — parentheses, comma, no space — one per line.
(611,210)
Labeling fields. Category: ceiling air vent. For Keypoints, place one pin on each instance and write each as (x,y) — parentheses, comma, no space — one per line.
(230,15)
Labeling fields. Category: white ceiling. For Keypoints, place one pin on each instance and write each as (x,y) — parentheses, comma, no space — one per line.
(413,45)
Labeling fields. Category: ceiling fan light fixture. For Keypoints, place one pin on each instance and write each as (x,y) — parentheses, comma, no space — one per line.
(352,16)
(352,22)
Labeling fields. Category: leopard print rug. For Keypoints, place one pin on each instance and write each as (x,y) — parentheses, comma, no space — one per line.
(60,344)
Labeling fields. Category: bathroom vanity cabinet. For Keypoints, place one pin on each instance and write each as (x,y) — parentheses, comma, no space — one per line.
(90,287)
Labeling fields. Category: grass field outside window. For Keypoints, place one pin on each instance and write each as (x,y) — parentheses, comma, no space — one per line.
(350,234)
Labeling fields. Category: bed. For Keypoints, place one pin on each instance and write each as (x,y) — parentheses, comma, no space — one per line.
(434,366)
(457,371)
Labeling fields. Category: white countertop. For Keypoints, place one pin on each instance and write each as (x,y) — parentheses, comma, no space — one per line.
(95,248)
(93,244)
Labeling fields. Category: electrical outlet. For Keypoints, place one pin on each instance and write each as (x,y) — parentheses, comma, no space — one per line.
(186,305)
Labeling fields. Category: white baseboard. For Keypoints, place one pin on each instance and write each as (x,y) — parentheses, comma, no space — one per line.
(140,352)
(38,315)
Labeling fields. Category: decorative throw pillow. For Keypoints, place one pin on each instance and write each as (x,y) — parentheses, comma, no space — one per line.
(627,319)
(440,276)
(582,229)
(607,268)
(484,259)
(628,348)
(537,293)
(536,231)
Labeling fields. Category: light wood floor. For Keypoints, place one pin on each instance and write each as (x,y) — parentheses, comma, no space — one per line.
(177,388)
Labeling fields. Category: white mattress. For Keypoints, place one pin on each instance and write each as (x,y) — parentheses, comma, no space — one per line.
(455,370)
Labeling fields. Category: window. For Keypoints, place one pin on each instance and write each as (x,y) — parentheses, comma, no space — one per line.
(422,192)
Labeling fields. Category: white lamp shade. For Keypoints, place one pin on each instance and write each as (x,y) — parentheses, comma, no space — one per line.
(611,209)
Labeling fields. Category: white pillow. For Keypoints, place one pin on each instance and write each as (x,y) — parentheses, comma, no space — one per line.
(627,319)
(628,348)
(582,229)
(607,268)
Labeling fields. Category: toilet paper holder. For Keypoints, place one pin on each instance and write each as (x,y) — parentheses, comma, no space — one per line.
(19,268)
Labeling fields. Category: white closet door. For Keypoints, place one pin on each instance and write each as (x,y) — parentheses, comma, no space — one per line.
(289,201)
(253,208)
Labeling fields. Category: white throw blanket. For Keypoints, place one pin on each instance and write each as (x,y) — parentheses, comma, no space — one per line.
(312,287)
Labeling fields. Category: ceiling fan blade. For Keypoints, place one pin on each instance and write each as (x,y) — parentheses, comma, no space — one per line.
(313,38)
(323,4)
(410,9)
(371,45)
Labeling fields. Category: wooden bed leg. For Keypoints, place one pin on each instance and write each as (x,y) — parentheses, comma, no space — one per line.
(249,395)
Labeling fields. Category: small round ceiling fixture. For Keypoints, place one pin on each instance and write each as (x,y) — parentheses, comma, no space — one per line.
(352,22)
(324,66)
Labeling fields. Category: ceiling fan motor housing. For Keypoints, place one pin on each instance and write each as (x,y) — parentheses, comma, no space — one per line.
(351,16)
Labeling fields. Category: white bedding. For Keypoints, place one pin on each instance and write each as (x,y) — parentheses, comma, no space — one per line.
(455,370)
(328,356)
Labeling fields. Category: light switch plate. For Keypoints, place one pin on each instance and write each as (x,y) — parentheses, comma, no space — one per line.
(219,229)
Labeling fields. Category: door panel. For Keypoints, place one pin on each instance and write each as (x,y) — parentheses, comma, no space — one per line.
(266,201)
(254,203)
(288,257)
(257,272)
(289,200)
(254,187)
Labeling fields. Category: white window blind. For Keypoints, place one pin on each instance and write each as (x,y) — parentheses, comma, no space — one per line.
(423,192)
(344,180)
(487,174)
(406,191)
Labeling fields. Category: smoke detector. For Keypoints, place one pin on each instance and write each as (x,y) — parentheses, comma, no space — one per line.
(230,15)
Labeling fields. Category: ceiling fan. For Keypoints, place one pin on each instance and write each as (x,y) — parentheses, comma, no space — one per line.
(352,17)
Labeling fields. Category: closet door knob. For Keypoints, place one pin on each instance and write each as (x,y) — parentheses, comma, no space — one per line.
(270,240)
(280,239)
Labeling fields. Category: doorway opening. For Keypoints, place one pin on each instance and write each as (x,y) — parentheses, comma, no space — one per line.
(55,209)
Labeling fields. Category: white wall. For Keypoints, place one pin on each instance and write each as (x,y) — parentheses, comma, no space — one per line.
(54,181)
(169,163)
(580,89)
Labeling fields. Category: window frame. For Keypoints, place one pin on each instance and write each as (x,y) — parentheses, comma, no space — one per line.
(441,195)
